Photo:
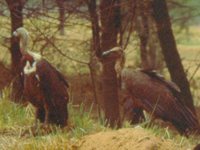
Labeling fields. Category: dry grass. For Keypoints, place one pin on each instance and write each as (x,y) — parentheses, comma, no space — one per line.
(16,131)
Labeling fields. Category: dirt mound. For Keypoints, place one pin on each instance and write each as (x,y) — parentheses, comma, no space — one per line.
(126,139)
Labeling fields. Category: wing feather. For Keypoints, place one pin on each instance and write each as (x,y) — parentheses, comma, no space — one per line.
(157,97)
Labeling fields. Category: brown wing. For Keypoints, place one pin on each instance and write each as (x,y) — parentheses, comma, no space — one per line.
(51,79)
(54,88)
(157,99)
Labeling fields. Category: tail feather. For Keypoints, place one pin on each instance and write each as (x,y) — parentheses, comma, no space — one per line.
(180,116)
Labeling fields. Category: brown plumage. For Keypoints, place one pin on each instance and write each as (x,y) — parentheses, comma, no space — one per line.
(160,98)
(46,89)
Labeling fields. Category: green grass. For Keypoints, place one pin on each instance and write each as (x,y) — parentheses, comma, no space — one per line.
(16,123)
(12,114)
(83,122)
(167,134)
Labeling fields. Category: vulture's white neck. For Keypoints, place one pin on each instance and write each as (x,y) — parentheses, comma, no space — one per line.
(23,34)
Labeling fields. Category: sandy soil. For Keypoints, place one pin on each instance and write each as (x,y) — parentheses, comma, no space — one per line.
(126,139)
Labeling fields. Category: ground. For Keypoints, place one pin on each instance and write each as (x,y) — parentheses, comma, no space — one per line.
(126,139)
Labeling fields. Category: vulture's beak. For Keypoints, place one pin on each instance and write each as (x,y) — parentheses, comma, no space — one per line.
(15,34)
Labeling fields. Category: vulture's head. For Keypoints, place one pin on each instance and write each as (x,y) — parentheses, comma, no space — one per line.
(115,54)
(21,32)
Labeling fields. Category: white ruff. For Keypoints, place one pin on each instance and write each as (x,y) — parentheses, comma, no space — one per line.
(35,56)
(28,69)
(15,33)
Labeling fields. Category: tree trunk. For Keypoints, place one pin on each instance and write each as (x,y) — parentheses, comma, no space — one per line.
(5,76)
(16,15)
(43,5)
(110,94)
(110,28)
(16,8)
(143,32)
(170,52)
(95,52)
(95,27)
(61,7)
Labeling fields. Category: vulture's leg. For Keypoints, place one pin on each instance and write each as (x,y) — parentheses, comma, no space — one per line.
(138,115)
(49,114)
(46,120)
(132,110)
(137,111)
(40,114)
(46,127)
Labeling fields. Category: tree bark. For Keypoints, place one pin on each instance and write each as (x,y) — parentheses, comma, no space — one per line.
(16,15)
(16,7)
(96,45)
(170,52)
(110,28)
(43,5)
(143,32)
(61,7)
(5,76)
(95,52)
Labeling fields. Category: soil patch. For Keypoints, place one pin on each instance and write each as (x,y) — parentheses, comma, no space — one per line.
(126,139)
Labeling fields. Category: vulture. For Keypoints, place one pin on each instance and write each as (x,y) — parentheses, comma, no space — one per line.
(149,91)
(43,85)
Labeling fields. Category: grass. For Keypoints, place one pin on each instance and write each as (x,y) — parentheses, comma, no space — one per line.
(16,128)
(16,120)
(167,134)
(12,114)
